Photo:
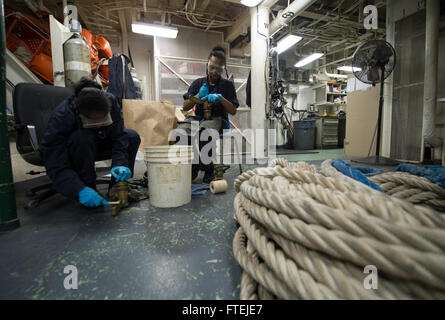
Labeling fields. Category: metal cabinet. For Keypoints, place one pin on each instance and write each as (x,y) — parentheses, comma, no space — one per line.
(327,133)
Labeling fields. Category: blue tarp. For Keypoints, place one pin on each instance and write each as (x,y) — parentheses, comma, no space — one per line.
(355,174)
(369,172)
(200,189)
(435,174)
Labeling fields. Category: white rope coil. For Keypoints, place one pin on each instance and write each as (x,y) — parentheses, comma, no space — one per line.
(412,188)
(402,185)
(304,235)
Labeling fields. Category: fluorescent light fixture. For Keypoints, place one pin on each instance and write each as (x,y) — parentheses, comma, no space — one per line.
(309,59)
(154,30)
(287,42)
(251,3)
(336,75)
(348,69)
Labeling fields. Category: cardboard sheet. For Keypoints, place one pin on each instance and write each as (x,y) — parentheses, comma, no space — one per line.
(153,120)
(361,123)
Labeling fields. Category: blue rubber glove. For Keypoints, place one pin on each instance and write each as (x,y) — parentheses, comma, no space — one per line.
(90,198)
(121,173)
(203,91)
(213,97)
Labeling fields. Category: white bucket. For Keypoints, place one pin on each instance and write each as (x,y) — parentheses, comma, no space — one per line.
(169,175)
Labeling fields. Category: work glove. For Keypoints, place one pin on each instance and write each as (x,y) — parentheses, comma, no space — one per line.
(90,198)
(203,91)
(121,173)
(213,97)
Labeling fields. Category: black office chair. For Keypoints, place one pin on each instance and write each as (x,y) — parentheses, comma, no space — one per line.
(33,106)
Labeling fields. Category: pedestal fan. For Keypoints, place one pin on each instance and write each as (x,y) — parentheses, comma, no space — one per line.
(372,63)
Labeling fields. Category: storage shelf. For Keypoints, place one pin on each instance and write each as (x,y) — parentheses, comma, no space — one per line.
(330,95)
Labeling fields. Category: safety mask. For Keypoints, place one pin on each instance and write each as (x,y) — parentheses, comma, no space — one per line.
(211,67)
(88,123)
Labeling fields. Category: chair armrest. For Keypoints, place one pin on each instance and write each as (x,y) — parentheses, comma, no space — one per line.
(33,137)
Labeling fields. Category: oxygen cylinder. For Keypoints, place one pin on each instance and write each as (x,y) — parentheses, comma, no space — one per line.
(137,84)
(76,54)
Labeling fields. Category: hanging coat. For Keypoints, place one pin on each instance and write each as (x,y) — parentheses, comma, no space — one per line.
(121,83)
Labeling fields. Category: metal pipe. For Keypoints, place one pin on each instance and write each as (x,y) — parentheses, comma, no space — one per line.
(431,71)
(335,62)
(240,87)
(287,15)
(42,7)
(259,77)
(8,212)
(388,87)
(331,75)
(201,61)
(245,51)
(65,13)
(174,72)
(31,6)
(348,47)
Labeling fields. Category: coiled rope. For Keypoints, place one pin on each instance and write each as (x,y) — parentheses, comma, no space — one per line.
(402,185)
(412,188)
(304,235)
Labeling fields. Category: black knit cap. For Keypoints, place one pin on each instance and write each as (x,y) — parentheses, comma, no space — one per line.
(91,100)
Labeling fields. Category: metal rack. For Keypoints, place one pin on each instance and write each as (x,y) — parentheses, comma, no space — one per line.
(328,126)
(326,99)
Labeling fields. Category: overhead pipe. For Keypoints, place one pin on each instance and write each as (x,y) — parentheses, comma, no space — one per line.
(324,71)
(268,3)
(431,70)
(36,7)
(285,16)
(42,7)
(242,52)
(336,62)
(31,6)
(65,14)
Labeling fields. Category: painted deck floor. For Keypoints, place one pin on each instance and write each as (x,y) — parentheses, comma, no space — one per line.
(144,253)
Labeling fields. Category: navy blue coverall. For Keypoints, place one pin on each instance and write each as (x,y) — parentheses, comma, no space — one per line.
(219,114)
(225,87)
(69,150)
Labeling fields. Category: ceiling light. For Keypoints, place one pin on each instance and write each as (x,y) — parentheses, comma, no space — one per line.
(336,75)
(287,42)
(348,69)
(309,59)
(154,30)
(251,3)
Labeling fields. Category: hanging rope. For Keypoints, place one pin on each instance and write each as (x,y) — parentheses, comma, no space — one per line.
(304,235)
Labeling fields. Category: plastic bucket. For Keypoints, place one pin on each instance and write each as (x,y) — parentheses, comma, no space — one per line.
(169,170)
(304,135)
